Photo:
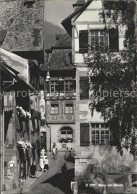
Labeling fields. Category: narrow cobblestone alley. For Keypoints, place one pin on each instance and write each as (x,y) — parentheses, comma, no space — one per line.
(52,182)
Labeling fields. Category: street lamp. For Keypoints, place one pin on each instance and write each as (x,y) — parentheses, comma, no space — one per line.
(45,96)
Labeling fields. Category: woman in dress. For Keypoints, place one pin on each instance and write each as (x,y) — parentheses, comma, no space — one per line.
(41,163)
(46,164)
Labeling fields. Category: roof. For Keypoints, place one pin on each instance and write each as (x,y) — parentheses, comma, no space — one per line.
(79,2)
(60,60)
(64,42)
(13,74)
(61,56)
(67,21)
(24,25)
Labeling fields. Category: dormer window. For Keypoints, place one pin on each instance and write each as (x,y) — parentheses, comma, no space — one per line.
(95,40)
(29,3)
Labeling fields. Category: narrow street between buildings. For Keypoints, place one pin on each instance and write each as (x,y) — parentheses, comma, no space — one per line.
(52,181)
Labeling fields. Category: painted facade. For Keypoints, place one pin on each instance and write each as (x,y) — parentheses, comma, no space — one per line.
(60,95)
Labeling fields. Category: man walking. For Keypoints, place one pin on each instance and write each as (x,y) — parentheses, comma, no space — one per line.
(32,170)
(64,171)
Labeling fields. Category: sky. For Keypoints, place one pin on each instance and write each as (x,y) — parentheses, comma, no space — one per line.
(58,10)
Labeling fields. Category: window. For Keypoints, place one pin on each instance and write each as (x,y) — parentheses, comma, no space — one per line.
(69,109)
(66,133)
(54,109)
(84,134)
(54,86)
(29,3)
(99,39)
(99,134)
(69,86)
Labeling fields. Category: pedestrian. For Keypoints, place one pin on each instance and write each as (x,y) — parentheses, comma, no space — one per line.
(74,186)
(54,145)
(32,170)
(54,152)
(66,152)
(43,152)
(46,164)
(41,163)
(64,171)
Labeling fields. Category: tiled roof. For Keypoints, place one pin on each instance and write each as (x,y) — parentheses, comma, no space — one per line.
(59,60)
(64,41)
(24,25)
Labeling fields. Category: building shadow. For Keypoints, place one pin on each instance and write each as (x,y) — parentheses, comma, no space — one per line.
(62,183)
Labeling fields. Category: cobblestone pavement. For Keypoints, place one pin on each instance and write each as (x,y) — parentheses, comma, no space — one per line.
(52,182)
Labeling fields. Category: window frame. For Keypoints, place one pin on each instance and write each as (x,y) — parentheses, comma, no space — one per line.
(99,38)
(98,132)
(66,129)
(107,31)
(54,112)
(69,110)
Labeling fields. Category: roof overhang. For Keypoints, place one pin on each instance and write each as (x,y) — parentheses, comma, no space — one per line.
(66,23)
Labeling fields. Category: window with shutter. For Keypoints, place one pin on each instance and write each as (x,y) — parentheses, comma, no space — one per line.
(83,41)
(84,134)
(99,40)
(113,40)
(100,135)
(84,88)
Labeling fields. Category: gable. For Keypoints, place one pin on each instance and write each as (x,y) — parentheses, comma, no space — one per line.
(91,13)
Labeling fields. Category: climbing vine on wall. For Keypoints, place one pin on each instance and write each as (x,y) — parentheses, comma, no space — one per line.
(113,76)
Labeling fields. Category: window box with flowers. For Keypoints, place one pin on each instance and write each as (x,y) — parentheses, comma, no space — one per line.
(22,113)
(67,140)
(23,147)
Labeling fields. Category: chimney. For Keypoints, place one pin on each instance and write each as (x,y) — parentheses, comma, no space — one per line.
(78,4)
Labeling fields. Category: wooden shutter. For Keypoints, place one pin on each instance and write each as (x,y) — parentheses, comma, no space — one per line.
(113,141)
(113,40)
(83,41)
(84,134)
(84,88)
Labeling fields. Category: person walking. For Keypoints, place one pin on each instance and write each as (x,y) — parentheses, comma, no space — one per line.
(32,170)
(54,152)
(46,164)
(66,152)
(41,163)
(74,186)
(42,153)
(64,171)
